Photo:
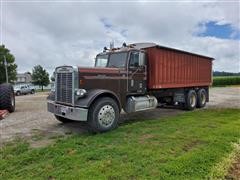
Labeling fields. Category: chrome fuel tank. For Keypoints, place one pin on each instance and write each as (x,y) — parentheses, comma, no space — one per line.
(140,103)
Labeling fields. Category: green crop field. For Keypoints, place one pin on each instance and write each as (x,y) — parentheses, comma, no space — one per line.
(226,80)
(194,145)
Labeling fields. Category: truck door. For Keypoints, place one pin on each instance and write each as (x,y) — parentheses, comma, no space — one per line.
(136,81)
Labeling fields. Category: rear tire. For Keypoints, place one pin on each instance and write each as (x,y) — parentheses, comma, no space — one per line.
(7,97)
(103,115)
(62,119)
(32,91)
(201,98)
(191,100)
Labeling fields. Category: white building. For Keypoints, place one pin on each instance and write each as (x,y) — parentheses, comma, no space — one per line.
(24,78)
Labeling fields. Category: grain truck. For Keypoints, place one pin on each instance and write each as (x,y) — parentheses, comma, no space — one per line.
(131,78)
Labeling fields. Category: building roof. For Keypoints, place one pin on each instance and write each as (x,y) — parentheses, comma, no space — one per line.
(23,75)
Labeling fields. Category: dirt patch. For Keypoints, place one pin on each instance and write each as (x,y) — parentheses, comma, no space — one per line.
(234,171)
(144,138)
(224,97)
(41,143)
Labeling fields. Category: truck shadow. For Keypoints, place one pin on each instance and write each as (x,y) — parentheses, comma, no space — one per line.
(149,115)
(125,119)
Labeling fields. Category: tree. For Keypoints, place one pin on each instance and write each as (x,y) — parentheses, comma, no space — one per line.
(11,66)
(40,76)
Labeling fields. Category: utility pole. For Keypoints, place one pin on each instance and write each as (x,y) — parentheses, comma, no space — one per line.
(6,70)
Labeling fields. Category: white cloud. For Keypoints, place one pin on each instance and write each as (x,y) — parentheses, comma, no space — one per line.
(53,34)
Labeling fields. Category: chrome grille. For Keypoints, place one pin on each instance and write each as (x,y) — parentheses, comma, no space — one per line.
(64,87)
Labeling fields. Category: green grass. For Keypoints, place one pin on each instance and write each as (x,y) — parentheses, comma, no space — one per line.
(226,80)
(188,146)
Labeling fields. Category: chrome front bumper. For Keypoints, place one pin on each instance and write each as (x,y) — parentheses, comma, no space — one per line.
(73,113)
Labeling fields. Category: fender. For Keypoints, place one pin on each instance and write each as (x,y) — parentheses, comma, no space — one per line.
(92,95)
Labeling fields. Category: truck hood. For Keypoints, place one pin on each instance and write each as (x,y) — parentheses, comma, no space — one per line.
(101,78)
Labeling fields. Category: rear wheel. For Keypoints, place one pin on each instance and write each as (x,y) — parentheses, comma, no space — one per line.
(201,98)
(7,98)
(32,91)
(103,115)
(191,100)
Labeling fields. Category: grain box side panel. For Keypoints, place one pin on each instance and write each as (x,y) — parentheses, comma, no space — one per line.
(173,69)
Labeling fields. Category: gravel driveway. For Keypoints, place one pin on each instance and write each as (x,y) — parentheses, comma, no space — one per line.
(31,119)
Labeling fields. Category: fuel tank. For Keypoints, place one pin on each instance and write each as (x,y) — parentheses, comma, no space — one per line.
(140,103)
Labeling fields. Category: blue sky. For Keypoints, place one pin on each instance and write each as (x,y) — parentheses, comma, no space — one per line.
(225,31)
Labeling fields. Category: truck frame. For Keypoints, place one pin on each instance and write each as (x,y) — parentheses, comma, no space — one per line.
(131,78)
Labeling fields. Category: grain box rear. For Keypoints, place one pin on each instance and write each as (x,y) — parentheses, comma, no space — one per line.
(171,68)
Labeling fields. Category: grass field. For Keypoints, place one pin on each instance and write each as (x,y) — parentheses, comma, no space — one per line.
(226,80)
(193,145)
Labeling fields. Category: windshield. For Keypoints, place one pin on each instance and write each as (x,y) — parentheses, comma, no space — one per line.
(117,60)
(101,61)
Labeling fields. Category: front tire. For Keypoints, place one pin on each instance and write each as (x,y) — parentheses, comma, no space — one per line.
(7,97)
(191,100)
(103,115)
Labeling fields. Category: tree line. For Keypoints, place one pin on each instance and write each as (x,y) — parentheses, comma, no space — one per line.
(223,73)
(40,76)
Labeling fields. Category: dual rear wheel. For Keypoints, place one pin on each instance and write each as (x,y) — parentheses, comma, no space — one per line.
(195,99)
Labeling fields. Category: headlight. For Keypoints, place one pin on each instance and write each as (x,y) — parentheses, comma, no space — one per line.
(80,92)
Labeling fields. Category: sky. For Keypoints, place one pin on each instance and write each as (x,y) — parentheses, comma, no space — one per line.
(54,33)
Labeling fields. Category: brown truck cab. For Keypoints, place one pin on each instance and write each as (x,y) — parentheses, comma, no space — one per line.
(132,78)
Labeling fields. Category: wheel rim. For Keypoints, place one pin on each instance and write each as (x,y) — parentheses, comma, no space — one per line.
(106,116)
(193,100)
(203,98)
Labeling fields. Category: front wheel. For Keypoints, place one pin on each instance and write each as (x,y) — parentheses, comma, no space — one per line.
(103,115)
